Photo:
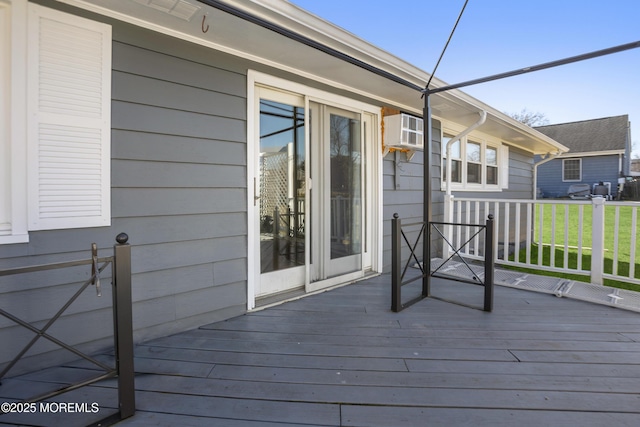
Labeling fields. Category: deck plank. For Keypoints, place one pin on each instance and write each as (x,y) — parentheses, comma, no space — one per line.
(487,342)
(384,416)
(565,368)
(488,381)
(428,396)
(274,360)
(159,419)
(274,326)
(243,409)
(337,350)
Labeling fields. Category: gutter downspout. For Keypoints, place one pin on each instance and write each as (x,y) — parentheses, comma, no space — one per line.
(549,157)
(448,198)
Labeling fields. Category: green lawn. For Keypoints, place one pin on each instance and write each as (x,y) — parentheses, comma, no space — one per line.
(556,226)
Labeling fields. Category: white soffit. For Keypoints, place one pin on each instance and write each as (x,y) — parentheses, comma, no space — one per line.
(178,8)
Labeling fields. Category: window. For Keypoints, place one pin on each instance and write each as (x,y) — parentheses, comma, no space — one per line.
(61,77)
(491,157)
(477,163)
(474,163)
(456,161)
(572,170)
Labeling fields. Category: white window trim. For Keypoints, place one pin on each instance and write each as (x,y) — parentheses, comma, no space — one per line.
(496,165)
(484,141)
(17,83)
(503,166)
(580,173)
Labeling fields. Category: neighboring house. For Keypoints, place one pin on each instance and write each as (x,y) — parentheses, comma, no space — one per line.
(599,151)
(241,154)
(635,167)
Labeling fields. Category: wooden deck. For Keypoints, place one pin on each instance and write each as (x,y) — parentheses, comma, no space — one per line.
(342,358)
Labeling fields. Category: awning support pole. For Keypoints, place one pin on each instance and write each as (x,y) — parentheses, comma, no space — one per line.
(428,157)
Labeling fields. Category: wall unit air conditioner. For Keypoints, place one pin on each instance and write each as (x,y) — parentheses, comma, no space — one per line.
(403,131)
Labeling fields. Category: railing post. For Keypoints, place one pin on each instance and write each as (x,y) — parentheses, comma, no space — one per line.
(396,262)
(448,229)
(597,240)
(123,326)
(489,264)
(426,262)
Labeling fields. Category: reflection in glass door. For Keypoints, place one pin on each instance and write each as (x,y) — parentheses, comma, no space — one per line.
(345,186)
(281,186)
(280,193)
(337,143)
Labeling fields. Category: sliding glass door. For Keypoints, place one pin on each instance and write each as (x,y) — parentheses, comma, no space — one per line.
(308,191)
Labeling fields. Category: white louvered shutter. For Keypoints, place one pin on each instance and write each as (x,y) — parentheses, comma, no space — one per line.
(69,102)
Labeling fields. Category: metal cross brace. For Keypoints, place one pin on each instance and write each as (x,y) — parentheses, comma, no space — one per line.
(43,332)
(413,249)
(457,251)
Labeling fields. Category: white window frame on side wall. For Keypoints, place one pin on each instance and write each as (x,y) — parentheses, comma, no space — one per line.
(77,184)
(484,141)
(579,170)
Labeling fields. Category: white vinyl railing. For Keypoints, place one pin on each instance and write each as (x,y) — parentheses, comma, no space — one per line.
(593,237)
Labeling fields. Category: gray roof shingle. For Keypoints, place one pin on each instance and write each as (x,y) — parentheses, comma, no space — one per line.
(608,133)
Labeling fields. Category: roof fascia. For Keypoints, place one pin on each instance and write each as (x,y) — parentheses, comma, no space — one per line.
(592,154)
(312,26)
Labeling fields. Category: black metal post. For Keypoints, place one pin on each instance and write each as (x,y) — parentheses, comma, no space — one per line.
(123,326)
(426,244)
(489,265)
(396,264)
(276,238)
(293,220)
(290,236)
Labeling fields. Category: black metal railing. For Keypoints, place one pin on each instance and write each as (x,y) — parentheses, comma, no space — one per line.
(120,264)
(485,278)
(398,272)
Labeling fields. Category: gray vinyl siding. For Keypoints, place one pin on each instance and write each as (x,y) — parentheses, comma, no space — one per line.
(549,180)
(403,185)
(179,178)
(594,170)
(178,191)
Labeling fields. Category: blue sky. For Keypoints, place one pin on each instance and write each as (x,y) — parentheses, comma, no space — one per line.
(496,36)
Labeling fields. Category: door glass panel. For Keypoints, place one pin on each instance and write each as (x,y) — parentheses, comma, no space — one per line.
(345,186)
(281,184)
